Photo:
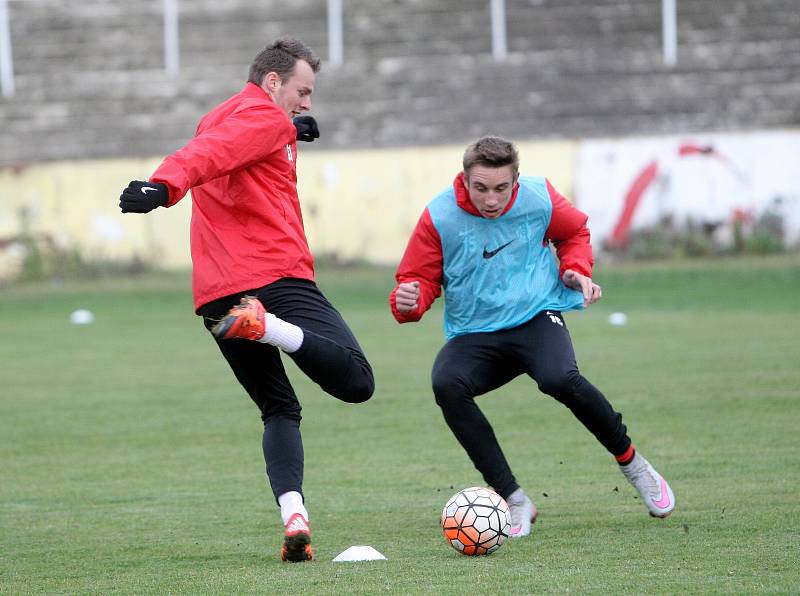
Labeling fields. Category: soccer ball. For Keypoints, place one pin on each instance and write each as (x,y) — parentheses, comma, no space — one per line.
(476,521)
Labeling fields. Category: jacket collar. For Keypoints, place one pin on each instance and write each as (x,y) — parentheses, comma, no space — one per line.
(253,90)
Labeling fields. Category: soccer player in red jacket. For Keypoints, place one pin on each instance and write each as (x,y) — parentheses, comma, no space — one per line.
(253,273)
(486,241)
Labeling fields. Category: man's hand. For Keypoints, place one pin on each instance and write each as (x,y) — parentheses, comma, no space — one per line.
(143,197)
(306,128)
(406,296)
(590,290)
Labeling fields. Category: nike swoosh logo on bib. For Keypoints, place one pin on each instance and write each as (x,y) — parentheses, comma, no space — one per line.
(488,254)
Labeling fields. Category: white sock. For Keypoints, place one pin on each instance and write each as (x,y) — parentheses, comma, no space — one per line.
(517,497)
(283,335)
(291,503)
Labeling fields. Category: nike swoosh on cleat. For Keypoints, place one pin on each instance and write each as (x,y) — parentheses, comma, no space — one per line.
(663,502)
(488,254)
(146,188)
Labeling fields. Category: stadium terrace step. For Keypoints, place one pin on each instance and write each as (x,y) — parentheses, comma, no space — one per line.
(412,75)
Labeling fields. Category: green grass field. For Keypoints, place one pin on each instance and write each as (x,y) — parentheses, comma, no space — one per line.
(131,458)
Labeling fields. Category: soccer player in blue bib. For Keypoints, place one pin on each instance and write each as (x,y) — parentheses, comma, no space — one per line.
(486,241)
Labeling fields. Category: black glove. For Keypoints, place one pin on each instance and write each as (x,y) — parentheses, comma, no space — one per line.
(143,197)
(306,128)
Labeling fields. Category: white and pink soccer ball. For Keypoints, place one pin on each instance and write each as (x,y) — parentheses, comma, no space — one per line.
(476,521)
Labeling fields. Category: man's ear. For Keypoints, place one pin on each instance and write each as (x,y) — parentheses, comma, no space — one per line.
(271,82)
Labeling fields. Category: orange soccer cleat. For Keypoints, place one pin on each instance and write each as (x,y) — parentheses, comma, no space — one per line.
(246,320)
(297,540)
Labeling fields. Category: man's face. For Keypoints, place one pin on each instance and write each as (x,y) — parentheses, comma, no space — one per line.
(293,94)
(490,189)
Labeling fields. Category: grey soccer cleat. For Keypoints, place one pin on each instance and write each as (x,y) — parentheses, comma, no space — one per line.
(654,490)
(523,514)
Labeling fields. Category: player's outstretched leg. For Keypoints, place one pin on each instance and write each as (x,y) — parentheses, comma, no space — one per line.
(331,358)
(297,540)
(654,490)
(523,513)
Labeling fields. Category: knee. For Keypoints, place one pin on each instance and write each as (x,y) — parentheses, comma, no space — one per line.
(291,413)
(448,389)
(560,384)
(360,388)
(363,389)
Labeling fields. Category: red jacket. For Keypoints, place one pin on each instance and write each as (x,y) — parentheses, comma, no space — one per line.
(422,260)
(247,228)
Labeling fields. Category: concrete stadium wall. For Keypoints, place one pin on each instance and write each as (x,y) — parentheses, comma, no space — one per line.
(357,205)
(362,205)
(89,86)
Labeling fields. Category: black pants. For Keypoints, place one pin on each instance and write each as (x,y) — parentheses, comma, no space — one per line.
(476,363)
(330,356)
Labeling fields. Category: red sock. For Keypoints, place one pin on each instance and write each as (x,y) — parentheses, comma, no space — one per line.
(625,458)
